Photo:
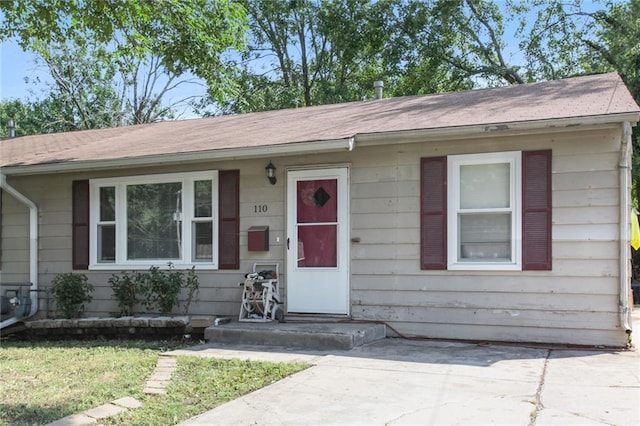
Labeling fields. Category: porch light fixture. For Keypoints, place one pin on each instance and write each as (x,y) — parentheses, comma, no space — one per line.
(271,173)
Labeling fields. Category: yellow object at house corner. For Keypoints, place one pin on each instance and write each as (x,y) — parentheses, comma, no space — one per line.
(635,231)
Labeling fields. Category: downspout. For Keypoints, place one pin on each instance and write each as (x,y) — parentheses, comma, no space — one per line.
(33,250)
(625,220)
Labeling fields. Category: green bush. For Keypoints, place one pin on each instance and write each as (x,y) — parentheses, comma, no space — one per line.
(161,289)
(157,290)
(125,291)
(192,284)
(70,293)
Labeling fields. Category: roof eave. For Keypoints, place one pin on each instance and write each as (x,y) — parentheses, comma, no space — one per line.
(333,145)
(182,157)
(499,129)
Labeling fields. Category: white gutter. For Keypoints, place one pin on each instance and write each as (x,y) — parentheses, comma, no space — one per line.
(497,129)
(33,249)
(625,220)
(347,143)
(343,144)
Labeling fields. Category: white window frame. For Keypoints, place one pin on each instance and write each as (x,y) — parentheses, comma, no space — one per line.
(454,162)
(188,218)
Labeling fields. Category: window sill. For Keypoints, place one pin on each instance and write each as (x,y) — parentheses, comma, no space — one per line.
(146,266)
(484,267)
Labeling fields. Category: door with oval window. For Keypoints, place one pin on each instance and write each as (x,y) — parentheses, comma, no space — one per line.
(317,241)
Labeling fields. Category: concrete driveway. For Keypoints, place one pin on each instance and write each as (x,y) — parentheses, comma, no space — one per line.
(402,382)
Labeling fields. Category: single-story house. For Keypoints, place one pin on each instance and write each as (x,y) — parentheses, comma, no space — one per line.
(498,214)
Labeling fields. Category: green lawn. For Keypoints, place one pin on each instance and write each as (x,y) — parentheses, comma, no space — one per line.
(43,382)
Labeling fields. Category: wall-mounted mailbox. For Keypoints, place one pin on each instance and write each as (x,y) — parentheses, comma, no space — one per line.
(258,238)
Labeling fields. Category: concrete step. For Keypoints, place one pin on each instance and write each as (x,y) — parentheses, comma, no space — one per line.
(329,335)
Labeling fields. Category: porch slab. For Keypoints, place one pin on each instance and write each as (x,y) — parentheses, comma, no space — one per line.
(342,335)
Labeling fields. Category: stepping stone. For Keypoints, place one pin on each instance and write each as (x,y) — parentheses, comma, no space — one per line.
(74,420)
(104,411)
(127,402)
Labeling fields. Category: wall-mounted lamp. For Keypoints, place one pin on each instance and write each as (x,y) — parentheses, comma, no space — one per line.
(271,173)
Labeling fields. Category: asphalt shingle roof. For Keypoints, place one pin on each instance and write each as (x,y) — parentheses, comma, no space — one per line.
(589,96)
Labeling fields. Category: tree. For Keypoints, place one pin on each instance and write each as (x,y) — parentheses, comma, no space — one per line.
(184,35)
(104,91)
(311,52)
(307,52)
(35,117)
(145,85)
(90,91)
(21,113)
(462,42)
(83,93)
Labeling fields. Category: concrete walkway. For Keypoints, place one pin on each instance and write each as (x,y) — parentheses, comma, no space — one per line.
(403,382)
(400,382)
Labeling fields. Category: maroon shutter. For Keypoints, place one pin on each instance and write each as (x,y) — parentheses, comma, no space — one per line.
(433,213)
(536,210)
(229,219)
(80,225)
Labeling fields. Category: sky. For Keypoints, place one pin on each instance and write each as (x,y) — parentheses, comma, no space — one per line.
(15,65)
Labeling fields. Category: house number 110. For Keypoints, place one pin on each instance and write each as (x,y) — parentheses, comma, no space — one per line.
(260,208)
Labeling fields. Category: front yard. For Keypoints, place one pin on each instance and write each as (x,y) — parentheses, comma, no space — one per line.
(45,381)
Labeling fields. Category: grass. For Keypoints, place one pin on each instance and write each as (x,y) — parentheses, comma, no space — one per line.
(43,382)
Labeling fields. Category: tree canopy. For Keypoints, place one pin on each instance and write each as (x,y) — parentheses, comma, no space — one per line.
(261,54)
(184,35)
(308,52)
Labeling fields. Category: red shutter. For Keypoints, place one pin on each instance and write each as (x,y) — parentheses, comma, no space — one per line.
(80,224)
(229,219)
(433,213)
(536,210)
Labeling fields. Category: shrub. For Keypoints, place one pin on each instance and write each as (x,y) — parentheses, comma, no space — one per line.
(161,289)
(125,291)
(192,285)
(157,290)
(70,293)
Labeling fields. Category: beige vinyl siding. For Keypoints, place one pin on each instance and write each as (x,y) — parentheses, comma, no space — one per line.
(15,242)
(576,302)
